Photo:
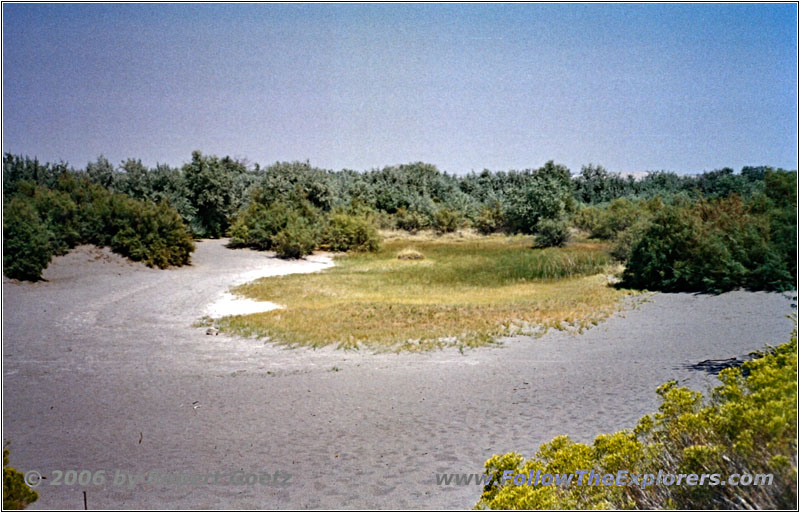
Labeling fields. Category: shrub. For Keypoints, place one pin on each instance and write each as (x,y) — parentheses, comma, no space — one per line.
(16,493)
(40,222)
(490,219)
(625,241)
(446,220)
(26,241)
(545,194)
(297,239)
(346,232)
(711,246)
(410,220)
(749,426)
(551,233)
(593,220)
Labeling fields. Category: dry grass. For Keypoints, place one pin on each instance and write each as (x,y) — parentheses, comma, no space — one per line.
(466,291)
(410,254)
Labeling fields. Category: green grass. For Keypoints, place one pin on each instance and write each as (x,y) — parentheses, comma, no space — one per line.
(465,291)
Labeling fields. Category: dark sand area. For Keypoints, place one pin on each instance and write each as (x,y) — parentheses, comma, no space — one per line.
(102,370)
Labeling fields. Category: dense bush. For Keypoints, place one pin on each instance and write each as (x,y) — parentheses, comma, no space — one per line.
(749,426)
(545,195)
(298,238)
(713,245)
(551,233)
(39,222)
(222,196)
(346,232)
(410,220)
(490,219)
(446,220)
(26,241)
(16,493)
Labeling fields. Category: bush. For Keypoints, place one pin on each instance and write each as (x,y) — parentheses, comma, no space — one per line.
(490,219)
(26,241)
(711,246)
(16,493)
(410,220)
(551,233)
(297,239)
(346,232)
(40,222)
(749,426)
(446,220)
(545,194)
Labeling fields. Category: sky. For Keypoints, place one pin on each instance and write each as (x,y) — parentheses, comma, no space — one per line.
(632,87)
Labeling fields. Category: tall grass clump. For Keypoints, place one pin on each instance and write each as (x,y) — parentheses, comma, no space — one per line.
(747,426)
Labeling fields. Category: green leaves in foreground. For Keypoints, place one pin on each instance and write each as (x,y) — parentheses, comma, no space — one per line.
(16,494)
(749,426)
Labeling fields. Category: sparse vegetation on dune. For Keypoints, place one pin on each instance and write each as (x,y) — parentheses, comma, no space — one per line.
(748,426)
(466,291)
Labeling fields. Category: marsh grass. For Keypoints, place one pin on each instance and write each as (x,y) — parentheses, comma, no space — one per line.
(467,291)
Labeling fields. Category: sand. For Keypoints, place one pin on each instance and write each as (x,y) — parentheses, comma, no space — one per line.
(102,370)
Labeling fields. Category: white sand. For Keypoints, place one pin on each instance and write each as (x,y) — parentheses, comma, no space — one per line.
(228,304)
(102,370)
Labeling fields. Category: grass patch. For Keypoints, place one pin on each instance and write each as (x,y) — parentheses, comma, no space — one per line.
(465,291)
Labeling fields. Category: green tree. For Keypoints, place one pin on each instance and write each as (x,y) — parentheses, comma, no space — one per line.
(26,241)
(210,188)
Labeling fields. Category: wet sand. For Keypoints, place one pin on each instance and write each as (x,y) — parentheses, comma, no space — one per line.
(102,370)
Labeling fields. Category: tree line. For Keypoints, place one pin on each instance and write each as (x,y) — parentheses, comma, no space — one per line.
(294,208)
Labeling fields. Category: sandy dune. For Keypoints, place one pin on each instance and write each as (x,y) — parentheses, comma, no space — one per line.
(103,371)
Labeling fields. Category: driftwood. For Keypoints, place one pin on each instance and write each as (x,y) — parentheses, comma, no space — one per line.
(715,366)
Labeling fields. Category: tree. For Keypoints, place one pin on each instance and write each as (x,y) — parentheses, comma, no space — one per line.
(210,188)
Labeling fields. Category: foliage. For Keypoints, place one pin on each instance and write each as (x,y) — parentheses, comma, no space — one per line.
(749,426)
(714,245)
(551,233)
(446,220)
(490,219)
(210,194)
(346,232)
(26,244)
(410,220)
(39,222)
(215,197)
(546,194)
(16,493)
(297,238)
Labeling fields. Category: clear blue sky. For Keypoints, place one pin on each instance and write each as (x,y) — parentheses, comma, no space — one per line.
(633,87)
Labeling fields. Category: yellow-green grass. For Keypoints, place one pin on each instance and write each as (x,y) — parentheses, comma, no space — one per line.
(465,291)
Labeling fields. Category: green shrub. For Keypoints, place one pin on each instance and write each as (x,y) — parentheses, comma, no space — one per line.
(79,212)
(298,238)
(16,493)
(551,233)
(593,220)
(749,426)
(490,219)
(410,220)
(26,241)
(712,246)
(446,220)
(624,241)
(346,232)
